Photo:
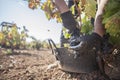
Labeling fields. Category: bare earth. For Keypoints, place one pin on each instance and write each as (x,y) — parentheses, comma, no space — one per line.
(36,65)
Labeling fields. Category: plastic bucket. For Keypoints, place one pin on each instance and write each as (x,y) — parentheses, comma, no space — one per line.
(85,63)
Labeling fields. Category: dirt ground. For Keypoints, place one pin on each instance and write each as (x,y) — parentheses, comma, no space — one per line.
(36,65)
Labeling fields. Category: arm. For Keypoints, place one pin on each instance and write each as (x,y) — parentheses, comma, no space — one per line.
(67,18)
(61,5)
(99,27)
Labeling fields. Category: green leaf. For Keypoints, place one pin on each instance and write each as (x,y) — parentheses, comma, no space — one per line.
(111,19)
(90,8)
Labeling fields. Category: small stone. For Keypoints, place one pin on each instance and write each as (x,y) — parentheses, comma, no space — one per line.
(45,78)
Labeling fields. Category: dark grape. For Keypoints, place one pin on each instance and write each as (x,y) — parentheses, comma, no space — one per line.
(92,20)
(70,3)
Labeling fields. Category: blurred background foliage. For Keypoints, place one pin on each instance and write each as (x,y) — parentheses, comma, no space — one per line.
(111,18)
